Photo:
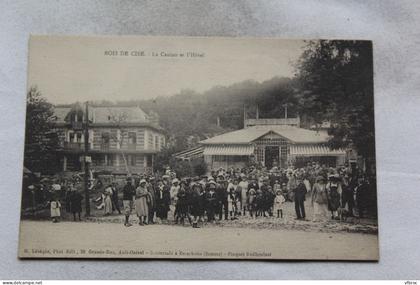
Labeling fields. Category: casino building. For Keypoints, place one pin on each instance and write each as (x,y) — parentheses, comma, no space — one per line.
(270,142)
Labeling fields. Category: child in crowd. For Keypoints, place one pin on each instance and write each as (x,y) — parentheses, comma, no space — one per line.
(55,210)
(278,204)
(231,204)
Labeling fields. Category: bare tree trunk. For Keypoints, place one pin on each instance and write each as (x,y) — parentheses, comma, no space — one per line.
(125,161)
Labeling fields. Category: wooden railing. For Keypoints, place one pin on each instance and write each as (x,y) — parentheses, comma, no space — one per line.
(75,145)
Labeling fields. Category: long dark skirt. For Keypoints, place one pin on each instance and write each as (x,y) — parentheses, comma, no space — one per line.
(162,211)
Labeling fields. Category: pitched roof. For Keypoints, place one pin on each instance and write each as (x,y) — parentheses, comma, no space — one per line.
(110,114)
(61,113)
(107,114)
(248,135)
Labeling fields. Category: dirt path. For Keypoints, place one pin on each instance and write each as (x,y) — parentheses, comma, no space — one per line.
(107,240)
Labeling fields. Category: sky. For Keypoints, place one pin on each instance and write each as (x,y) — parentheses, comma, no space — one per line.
(70,69)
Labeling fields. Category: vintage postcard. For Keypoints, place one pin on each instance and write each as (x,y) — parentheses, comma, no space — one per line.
(199,148)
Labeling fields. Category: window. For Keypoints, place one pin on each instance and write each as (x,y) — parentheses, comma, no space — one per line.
(150,140)
(284,151)
(110,160)
(219,158)
(132,160)
(162,141)
(75,137)
(132,138)
(149,161)
(77,117)
(239,158)
(156,142)
(105,141)
(259,154)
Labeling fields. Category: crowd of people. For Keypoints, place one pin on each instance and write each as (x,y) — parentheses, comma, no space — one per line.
(254,192)
(334,193)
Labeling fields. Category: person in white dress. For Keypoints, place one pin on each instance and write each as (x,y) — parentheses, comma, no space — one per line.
(55,206)
(278,204)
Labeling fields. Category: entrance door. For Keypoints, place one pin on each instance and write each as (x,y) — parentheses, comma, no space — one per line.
(271,156)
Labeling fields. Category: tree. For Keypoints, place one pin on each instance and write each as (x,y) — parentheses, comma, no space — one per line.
(41,139)
(199,166)
(335,84)
(118,120)
(163,159)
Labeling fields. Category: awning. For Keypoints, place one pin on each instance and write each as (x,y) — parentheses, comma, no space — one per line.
(190,153)
(229,150)
(315,150)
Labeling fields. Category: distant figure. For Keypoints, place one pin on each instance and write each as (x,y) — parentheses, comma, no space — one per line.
(243,186)
(55,210)
(108,201)
(75,203)
(152,200)
(140,203)
(174,197)
(319,200)
(334,195)
(211,201)
(197,203)
(114,198)
(299,193)
(278,204)
(128,195)
(163,200)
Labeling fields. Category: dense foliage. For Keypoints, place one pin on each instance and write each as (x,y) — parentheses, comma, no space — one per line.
(41,140)
(335,79)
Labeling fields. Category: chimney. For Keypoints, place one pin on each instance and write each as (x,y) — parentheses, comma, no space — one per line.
(258,112)
(244,117)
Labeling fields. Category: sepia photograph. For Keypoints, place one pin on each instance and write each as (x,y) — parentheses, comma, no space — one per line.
(199,148)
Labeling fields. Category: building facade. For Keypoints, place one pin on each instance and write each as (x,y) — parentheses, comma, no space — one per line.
(270,142)
(121,139)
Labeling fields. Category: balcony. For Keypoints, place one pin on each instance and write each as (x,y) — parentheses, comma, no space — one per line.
(105,146)
(75,145)
(77,125)
(131,147)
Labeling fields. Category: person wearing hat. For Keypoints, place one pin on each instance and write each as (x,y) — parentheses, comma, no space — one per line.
(319,200)
(75,199)
(114,198)
(55,207)
(347,198)
(174,197)
(166,180)
(163,200)
(299,197)
(252,198)
(278,204)
(243,187)
(140,203)
(128,200)
(334,192)
(107,200)
(222,197)
(197,203)
(152,200)
(211,200)
(182,204)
